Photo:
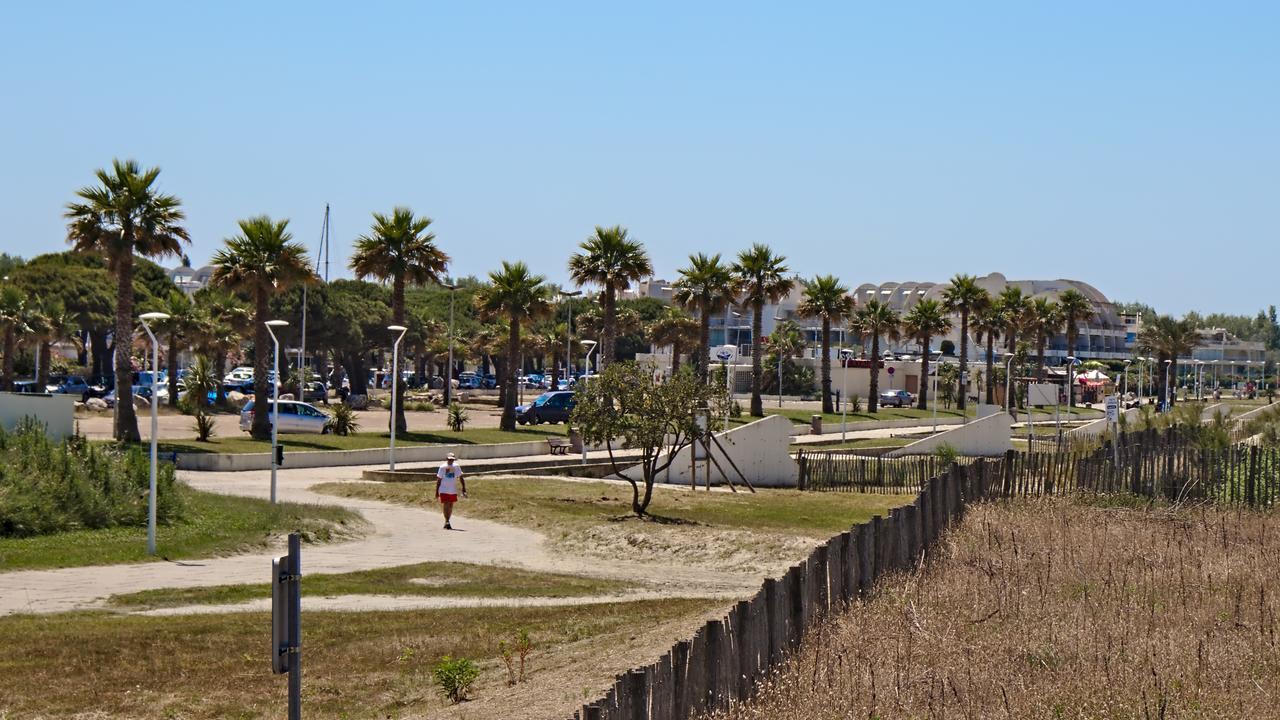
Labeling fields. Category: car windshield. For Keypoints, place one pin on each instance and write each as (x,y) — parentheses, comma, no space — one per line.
(543,399)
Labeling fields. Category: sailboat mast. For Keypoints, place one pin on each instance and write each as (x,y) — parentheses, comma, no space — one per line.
(302,349)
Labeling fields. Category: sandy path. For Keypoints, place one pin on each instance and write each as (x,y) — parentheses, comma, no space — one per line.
(398,535)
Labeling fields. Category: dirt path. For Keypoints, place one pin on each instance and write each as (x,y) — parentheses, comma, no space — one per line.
(398,535)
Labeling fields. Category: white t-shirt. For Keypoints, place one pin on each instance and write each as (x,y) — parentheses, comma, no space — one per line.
(448,476)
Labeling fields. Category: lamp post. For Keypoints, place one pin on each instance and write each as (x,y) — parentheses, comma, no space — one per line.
(275,406)
(844,388)
(586,358)
(395,389)
(778,352)
(448,376)
(155,365)
(1167,383)
(1125,381)
(568,338)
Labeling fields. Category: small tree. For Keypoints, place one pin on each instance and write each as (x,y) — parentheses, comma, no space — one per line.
(626,403)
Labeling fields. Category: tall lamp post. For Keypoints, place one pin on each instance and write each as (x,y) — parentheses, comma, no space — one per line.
(778,352)
(1168,381)
(844,387)
(275,406)
(395,389)
(1125,382)
(448,376)
(155,369)
(586,358)
(568,338)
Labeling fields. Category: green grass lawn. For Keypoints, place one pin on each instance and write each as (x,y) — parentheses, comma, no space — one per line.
(357,665)
(242,443)
(212,525)
(435,579)
(567,506)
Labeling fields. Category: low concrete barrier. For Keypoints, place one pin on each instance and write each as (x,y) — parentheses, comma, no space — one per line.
(1099,426)
(235,462)
(55,411)
(760,449)
(987,437)
(1254,414)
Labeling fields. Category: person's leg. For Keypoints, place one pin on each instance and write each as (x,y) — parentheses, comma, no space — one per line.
(448,511)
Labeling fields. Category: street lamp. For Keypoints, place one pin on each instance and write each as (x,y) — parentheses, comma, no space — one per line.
(1125,381)
(844,388)
(568,339)
(395,389)
(586,358)
(1167,382)
(155,370)
(275,406)
(1008,382)
(448,379)
(778,351)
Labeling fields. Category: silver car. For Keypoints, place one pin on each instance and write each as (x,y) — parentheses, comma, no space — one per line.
(896,398)
(295,417)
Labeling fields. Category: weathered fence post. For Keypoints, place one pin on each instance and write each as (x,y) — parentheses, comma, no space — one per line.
(776,605)
(1251,483)
(795,616)
(836,549)
(866,557)
(851,564)
(715,664)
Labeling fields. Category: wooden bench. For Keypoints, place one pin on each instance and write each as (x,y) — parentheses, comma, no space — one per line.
(559,446)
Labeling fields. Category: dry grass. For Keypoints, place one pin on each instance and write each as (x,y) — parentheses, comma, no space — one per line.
(1058,609)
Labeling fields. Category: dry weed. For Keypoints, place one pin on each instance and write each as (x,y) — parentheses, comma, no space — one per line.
(1057,609)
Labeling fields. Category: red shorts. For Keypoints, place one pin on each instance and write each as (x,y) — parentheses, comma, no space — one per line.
(448,498)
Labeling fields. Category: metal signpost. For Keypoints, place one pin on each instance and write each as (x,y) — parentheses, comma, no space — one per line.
(286,621)
(1113,417)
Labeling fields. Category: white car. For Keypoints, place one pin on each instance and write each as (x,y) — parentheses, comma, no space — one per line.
(239,375)
(295,417)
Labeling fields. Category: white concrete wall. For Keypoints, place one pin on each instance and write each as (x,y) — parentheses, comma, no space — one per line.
(1253,414)
(56,411)
(761,450)
(988,437)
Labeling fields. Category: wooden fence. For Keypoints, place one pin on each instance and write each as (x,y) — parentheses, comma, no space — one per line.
(1150,463)
(726,658)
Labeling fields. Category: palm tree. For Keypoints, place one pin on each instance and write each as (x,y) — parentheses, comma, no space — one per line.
(825,298)
(1014,308)
(51,323)
(1043,321)
(759,278)
(399,249)
(1074,308)
(220,320)
(965,296)
(987,326)
(674,329)
(704,287)
(927,319)
(260,262)
(876,319)
(520,295)
(122,216)
(1168,339)
(612,260)
(177,328)
(15,322)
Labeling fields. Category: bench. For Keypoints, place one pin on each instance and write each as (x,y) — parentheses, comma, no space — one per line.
(559,446)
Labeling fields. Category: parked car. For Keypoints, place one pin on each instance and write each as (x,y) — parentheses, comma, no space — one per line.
(468,382)
(315,392)
(896,398)
(295,417)
(489,381)
(549,407)
(26,387)
(67,385)
(139,391)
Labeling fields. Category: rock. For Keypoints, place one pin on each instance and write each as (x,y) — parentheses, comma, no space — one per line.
(287,396)
(96,404)
(237,398)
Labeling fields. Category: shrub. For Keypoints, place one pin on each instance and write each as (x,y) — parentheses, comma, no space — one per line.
(455,677)
(458,417)
(203,424)
(48,487)
(946,454)
(342,421)
(855,403)
(735,409)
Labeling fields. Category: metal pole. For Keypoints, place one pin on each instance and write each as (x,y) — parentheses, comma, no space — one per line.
(155,370)
(302,349)
(844,397)
(395,389)
(448,375)
(935,398)
(295,627)
(275,404)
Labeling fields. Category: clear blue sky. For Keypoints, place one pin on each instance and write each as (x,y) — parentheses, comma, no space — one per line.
(878,143)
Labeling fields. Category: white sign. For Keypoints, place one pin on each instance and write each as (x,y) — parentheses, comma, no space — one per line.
(725,353)
(1113,408)
(1042,394)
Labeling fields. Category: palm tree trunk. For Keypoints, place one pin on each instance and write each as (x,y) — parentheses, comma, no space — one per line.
(704,341)
(873,395)
(172,362)
(509,376)
(991,357)
(922,401)
(675,358)
(1072,338)
(262,350)
(45,349)
(1041,341)
(126,418)
(827,407)
(220,368)
(757,367)
(964,358)
(609,331)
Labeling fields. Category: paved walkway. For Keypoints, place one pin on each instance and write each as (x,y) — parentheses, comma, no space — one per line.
(398,535)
